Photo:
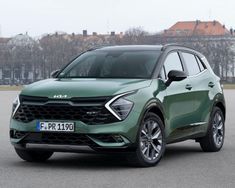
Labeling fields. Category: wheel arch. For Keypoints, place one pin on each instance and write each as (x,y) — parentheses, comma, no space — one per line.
(221,105)
(219,101)
(155,107)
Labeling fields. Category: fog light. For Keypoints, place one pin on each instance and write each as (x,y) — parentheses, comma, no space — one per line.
(117,138)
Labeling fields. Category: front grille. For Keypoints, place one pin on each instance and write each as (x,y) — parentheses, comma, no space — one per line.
(87,113)
(62,138)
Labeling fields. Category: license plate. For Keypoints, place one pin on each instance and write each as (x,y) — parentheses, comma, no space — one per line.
(56,126)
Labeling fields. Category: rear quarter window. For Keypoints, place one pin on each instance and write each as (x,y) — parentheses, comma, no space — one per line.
(201,65)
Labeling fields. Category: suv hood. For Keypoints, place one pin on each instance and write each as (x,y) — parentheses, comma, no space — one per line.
(83,87)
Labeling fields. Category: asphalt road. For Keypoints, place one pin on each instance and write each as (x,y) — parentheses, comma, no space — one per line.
(184,164)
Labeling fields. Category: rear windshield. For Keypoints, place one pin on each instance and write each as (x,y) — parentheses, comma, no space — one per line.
(112,64)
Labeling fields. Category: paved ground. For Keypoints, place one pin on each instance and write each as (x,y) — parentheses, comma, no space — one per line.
(184,164)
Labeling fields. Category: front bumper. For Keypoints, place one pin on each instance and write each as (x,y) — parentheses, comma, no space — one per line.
(119,135)
(55,148)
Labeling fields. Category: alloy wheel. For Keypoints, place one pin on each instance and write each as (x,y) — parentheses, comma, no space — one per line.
(151,140)
(218,129)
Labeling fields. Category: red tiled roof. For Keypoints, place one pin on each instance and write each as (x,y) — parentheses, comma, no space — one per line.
(197,28)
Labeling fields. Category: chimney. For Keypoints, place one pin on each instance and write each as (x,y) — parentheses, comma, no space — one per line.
(231,31)
(84,33)
(112,33)
(94,34)
(224,26)
(214,23)
(197,22)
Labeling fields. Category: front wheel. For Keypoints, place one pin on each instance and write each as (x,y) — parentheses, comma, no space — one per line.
(33,156)
(214,139)
(150,142)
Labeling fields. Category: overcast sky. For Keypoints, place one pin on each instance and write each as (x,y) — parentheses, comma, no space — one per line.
(38,17)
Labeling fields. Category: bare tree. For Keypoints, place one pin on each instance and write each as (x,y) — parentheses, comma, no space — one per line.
(135,35)
(24,59)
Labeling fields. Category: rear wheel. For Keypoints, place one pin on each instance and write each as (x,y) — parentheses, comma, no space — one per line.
(214,139)
(33,156)
(150,142)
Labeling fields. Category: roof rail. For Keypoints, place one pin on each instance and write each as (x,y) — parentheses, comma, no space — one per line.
(174,44)
(97,47)
(93,48)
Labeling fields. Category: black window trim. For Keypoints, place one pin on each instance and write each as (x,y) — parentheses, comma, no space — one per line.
(202,63)
(198,63)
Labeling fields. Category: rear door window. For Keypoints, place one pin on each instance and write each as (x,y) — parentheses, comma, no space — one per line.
(191,63)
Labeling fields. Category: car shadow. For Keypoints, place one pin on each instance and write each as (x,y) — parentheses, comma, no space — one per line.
(107,161)
(80,161)
(175,151)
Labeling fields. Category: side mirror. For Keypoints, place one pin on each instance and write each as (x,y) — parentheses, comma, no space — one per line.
(54,73)
(175,75)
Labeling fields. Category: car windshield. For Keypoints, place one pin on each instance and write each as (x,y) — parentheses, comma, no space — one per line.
(112,64)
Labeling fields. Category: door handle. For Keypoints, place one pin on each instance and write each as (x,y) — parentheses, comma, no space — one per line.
(211,84)
(188,87)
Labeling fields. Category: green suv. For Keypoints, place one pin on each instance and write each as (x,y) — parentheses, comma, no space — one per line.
(133,99)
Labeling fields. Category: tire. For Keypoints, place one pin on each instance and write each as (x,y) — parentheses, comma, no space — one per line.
(33,156)
(150,142)
(214,139)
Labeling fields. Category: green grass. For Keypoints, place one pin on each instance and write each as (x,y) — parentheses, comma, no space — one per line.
(229,86)
(10,88)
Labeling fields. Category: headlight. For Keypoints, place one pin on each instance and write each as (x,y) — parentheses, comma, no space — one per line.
(15,105)
(119,106)
(122,107)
